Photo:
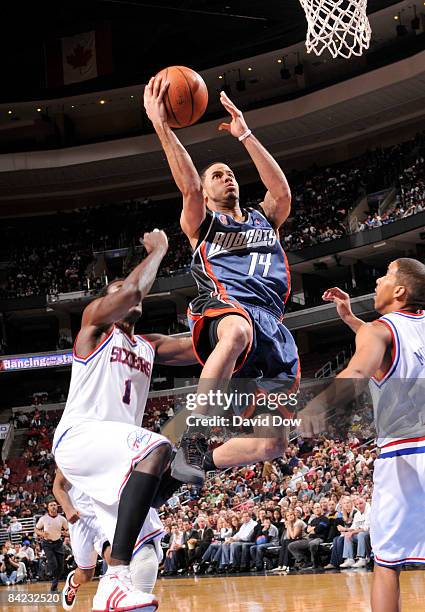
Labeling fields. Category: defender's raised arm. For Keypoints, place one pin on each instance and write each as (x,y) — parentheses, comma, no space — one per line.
(112,307)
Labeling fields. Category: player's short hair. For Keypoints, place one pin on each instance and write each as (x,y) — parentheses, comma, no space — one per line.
(203,172)
(104,290)
(411,274)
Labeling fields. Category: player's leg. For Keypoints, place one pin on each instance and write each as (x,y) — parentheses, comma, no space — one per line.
(119,466)
(274,361)
(229,338)
(241,451)
(226,339)
(73,582)
(385,595)
(83,534)
(144,568)
(234,335)
(135,502)
(136,498)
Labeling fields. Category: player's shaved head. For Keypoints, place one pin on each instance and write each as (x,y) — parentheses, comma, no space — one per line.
(411,274)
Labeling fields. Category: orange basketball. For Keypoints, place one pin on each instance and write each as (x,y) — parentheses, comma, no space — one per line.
(186,97)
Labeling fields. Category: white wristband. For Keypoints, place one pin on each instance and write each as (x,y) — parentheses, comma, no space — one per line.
(244,135)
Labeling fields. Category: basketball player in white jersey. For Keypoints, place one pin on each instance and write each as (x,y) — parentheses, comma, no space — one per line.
(88,542)
(390,353)
(97,445)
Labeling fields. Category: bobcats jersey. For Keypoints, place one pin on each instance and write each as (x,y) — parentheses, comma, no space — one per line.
(242,261)
(398,397)
(111,383)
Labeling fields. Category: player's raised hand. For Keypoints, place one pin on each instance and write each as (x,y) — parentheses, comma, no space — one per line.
(341,299)
(155,241)
(153,99)
(238,125)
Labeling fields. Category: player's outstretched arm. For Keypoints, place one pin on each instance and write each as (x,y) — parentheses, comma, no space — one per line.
(277,201)
(372,343)
(60,490)
(341,299)
(105,311)
(181,165)
(171,350)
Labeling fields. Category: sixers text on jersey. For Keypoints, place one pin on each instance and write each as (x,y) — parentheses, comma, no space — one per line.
(127,357)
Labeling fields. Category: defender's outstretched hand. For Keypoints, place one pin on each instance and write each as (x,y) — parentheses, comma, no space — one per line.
(341,299)
(153,99)
(238,125)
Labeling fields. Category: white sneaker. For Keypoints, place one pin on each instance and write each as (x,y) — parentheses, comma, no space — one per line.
(347,563)
(116,593)
(279,568)
(361,562)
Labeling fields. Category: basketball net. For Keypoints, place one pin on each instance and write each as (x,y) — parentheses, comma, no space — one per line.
(341,26)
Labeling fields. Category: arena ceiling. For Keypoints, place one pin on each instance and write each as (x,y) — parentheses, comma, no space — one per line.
(146,36)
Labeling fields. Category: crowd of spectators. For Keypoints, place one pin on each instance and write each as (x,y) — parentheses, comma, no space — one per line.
(303,511)
(56,253)
(307,509)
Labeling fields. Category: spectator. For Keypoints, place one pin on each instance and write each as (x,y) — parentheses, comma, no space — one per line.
(174,552)
(202,541)
(294,529)
(266,538)
(241,542)
(9,569)
(317,532)
(358,534)
(342,524)
(14,526)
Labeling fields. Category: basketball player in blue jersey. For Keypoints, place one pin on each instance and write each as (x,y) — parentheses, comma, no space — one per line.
(390,356)
(242,276)
(98,445)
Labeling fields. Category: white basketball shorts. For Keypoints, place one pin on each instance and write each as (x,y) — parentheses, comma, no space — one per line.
(397,518)
(97,458)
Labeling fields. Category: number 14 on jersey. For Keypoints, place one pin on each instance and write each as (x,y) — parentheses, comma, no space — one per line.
(264,260)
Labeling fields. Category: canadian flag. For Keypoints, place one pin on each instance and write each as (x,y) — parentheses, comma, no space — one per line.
(78,58)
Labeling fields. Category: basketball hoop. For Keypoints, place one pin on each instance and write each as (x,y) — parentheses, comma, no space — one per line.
(341,26)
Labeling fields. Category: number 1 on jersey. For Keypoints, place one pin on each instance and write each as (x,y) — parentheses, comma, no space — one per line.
(127,393)
(262,260)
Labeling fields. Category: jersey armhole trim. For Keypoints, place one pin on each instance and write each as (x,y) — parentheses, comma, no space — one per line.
(93,352)
(202,240)
(395,353)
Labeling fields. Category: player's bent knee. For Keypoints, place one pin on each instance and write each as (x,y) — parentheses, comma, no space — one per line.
(272,448)
(157,461)
(238,334)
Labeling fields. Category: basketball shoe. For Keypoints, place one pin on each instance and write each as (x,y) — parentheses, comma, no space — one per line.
(69,592)
(116,593)
(188,464)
